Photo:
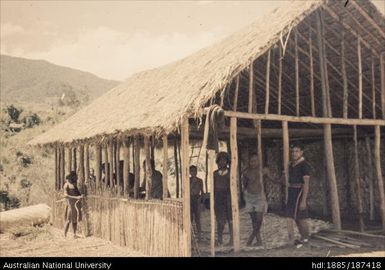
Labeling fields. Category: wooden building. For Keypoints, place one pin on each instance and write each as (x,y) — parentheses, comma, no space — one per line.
(310,70)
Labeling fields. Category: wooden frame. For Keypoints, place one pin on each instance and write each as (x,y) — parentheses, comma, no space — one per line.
(186,187)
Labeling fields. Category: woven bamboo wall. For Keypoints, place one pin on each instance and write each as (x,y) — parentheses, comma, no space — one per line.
(151,227)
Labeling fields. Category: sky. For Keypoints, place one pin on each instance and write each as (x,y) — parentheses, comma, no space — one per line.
(114,39)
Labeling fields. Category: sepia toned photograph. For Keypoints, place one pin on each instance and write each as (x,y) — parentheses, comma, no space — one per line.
(192,129)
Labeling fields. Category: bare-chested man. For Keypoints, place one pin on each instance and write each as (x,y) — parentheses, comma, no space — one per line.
(255,198)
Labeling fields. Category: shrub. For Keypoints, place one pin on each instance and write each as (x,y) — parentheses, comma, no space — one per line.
(31,120)
(14,113)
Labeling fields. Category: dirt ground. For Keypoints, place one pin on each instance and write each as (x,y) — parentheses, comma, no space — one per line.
(49,242)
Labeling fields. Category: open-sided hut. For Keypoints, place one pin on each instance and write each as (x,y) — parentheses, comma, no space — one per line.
(310,70)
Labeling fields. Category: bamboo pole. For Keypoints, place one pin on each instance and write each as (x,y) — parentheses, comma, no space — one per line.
(106,167)
(369,18)
(280,82)
(333,190)
(359,78)
(286,154)
(57,181)
(206,172)
(380,180)
(126,167)
(348,27)
(118,169)
(234,184)
(176,167)
(87,163)
(98,160)
(69,159)
(81,168)
(267,90)
(370,178)
(344,78)
(148,175)
(111,164)
(62,166)
(136,166)
(286,160)
(74,159)
(373,89)
(296,73)
(186,188)
(165,166)
(311,76)
(358,181)
(235,104)
(382,67)
(306,119)
(251,88)
(211,161)
(323,66)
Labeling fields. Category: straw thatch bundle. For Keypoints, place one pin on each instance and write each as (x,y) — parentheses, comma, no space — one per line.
(154,101)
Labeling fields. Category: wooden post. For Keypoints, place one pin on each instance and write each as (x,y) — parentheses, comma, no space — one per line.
(176,166)
(235,104)
(359,78)
(57,180)
(111,164)
(207,172)
(327,127)
(69,160)
(370,177)
(165,166)
(373,89)
(117,168)
(382,69)
(106,167)
(234,183)
(251,88)
(74,159)
(344,78)
(326,106)
(136,166)
(186,187)
(62,166)
(286,154)
(211,161)
(267,90)
(296,73)
(280,82)
(98,169)
(312,101)
(148,174)
(87,163)
(81,168)
(333,190)
(358,181)
(286,160)
(126,167)
(380,180)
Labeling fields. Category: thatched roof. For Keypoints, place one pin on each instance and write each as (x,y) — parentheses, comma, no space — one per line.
(154,101)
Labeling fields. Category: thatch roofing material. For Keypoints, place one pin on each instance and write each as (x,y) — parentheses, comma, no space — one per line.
(155,100)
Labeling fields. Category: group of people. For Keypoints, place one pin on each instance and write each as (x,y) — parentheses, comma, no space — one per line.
(255,197)
(253,191)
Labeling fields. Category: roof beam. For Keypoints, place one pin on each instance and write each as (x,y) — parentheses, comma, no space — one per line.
(336,17)
(370,19)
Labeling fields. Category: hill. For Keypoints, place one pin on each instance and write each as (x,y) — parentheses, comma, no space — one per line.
(43,82)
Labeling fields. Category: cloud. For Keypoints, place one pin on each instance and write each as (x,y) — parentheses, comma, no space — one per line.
(116,55)
(8,29)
